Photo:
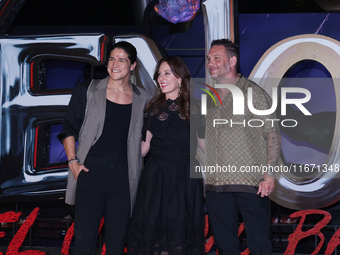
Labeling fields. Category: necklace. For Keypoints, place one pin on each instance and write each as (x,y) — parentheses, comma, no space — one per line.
(125,89)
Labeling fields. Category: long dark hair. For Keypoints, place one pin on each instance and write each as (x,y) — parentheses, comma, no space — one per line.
(180,69)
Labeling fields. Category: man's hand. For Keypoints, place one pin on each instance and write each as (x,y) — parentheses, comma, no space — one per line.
(266,185)
(76,168)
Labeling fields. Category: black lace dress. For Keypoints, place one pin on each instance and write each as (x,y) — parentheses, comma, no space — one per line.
(169,211)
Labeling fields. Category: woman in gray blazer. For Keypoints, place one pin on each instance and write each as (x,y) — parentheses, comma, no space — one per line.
(106,119)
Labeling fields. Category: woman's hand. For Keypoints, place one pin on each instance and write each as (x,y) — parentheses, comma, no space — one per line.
(201,143)
(146,145)
(76,168)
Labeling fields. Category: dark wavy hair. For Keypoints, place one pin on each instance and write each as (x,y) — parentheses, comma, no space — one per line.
(128,48)
(180,69)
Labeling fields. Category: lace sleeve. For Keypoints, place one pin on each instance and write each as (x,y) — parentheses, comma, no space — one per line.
(201,127)
(147,125)
(197,119)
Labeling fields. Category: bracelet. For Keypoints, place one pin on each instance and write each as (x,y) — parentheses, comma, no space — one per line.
(72,159)
(272,174)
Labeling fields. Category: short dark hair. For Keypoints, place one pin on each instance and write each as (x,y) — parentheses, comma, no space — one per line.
(231,48)
(128,48)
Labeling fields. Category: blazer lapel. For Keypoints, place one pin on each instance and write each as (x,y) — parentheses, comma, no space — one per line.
(100,101)
(137,107)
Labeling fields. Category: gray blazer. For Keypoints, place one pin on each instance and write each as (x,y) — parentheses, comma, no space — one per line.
(92,128)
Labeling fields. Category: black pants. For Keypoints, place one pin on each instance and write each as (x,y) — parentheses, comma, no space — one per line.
(223,209)
(103,191)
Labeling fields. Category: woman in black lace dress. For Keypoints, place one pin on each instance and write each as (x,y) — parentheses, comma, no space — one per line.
(168,216)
